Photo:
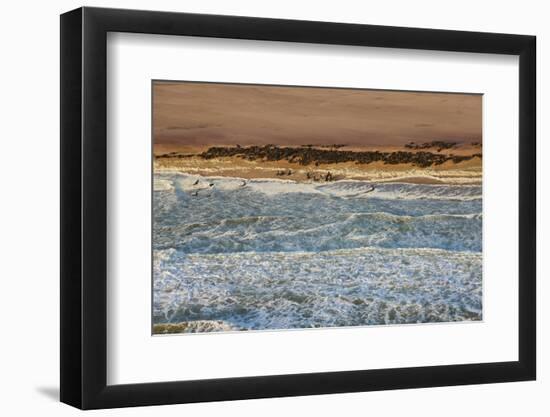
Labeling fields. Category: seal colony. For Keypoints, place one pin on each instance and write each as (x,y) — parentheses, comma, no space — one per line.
(432,162)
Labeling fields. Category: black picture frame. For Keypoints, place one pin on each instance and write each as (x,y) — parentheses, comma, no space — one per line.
(84,207)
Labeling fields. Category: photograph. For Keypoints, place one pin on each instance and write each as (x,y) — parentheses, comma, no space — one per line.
(295,207)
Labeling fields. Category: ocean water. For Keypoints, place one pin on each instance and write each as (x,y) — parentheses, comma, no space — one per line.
(230,254)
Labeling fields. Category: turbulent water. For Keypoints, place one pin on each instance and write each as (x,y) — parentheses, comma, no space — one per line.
(233,254)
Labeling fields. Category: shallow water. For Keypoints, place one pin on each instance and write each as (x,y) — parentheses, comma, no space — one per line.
(271,254)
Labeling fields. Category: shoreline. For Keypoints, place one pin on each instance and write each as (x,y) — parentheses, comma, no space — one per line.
(227,167)
(452,165)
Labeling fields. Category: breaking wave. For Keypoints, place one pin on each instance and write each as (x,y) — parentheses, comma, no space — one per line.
(344,189)
(349,230)
(281,290)
(235,254)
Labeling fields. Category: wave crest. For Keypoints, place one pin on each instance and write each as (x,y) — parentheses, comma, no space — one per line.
(343,189)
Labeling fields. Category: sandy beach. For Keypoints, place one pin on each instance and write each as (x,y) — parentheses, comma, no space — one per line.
(443,128)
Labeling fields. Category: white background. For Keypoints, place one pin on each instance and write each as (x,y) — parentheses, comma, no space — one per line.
(133,60)
(29,220)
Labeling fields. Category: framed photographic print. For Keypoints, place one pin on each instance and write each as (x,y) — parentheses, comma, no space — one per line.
(258,207)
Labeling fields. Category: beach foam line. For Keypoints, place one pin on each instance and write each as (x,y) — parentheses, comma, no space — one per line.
(341,188)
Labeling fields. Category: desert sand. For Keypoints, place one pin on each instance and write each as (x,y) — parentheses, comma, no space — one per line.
(187,114)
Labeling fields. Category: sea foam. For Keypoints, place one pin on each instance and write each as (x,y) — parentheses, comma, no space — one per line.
(280,290)
(277,254)
(344,188)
